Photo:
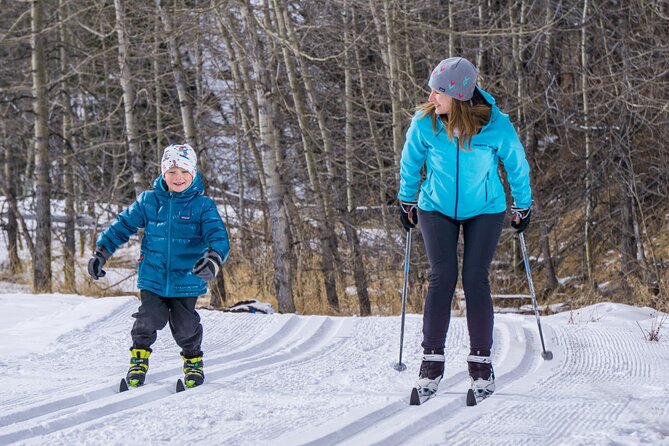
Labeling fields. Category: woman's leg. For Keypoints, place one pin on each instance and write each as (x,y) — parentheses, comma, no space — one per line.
(440,234)
(481,235)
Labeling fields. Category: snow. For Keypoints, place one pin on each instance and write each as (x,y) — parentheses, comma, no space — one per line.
(289,379)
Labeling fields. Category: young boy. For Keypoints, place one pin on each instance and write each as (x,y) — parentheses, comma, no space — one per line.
(184,245)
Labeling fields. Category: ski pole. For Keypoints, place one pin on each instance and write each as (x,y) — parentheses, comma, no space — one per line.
(546,354)
(407,256)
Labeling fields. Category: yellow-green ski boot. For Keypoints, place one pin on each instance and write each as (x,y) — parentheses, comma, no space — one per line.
(193,371)
(139,365)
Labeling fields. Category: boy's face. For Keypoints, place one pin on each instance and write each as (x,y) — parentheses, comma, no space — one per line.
(177,179)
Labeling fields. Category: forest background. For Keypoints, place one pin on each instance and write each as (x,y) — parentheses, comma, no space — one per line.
(298,111)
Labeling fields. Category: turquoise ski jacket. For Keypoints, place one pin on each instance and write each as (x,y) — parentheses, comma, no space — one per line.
(179,227)
(464,183)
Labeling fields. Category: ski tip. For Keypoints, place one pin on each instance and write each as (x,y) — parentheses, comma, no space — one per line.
(180,386)
(415,399)
(471,399)
(123,386)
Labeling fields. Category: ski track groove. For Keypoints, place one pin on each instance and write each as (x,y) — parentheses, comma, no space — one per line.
(282,333)
(322,337)
(241,335)
(387,417)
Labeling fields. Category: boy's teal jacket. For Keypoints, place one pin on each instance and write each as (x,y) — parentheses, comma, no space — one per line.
(464,183)
(178,229)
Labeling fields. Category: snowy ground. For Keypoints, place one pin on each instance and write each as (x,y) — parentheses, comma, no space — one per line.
(286,379)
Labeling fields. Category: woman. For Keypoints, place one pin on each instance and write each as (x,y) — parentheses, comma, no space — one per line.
(460,136)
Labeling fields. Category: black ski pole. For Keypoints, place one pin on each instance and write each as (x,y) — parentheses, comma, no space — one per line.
(407,256)
(546,354)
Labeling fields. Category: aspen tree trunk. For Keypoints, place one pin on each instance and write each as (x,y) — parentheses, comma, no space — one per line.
(132,135)
(276,192)
(588,157)
(69,277)
(386,48)
(247,113)
(42,257)
(324,212)
(373,133)
(158,90)
(9,191)
(179,78)
(359,273)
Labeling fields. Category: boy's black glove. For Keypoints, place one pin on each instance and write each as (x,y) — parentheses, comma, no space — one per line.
(207,267)
(520,218)
(408,214)
(96,263)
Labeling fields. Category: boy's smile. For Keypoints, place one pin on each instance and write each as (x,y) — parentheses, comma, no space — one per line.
(177,179)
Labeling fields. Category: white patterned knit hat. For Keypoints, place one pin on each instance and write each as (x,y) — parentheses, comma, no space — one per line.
(179,155)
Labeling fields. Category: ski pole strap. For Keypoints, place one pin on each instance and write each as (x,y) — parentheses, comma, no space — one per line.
(479,359)
(434,358)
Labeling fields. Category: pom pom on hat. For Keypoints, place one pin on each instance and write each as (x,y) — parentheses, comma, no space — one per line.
(455,77)
(179,155)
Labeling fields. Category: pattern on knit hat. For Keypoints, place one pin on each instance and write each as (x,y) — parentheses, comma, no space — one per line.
(455,77)
(179,155)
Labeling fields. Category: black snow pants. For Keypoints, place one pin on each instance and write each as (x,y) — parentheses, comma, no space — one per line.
(156,311)
(481,235)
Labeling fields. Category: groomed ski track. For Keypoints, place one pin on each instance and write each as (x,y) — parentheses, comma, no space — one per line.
(318,380)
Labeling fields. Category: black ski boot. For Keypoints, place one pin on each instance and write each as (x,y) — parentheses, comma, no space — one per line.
(193,370)
(139,365)
(431,372)
(482,378)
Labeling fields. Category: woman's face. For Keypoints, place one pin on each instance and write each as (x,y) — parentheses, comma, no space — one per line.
(442,102)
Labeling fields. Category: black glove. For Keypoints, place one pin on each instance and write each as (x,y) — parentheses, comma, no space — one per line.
(520,218)
(207,267)
(408,214)
(95,264)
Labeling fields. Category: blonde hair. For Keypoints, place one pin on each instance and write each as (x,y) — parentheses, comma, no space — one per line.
(467,119)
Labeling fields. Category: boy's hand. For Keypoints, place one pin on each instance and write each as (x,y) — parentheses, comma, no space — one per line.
(207,267)
(96,263)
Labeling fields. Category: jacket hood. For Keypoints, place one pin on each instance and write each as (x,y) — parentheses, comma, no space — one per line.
(196,187)
(488,97)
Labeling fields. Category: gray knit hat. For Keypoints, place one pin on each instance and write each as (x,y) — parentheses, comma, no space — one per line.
(455,77)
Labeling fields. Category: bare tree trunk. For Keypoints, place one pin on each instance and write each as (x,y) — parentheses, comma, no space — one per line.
(69,277)
(359,273)
(132,135)
(9,191)
(276,193)
(588,156)
(179,77)
(42,257)
(373,133)
(324,212)
(386,46)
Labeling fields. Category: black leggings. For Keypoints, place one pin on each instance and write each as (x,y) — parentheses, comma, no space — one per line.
(481,235)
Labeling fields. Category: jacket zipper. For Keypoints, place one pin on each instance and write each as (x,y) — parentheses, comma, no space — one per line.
(487,180)
(169,246)
(457,177)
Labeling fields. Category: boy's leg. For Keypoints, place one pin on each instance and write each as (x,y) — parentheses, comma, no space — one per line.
(185,325)
(152,316)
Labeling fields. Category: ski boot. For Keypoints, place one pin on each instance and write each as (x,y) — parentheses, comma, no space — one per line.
(431,372)
(139,365)
(193,370)
(482,377)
